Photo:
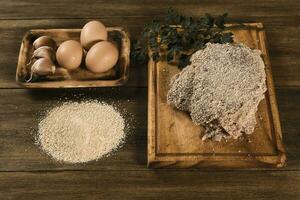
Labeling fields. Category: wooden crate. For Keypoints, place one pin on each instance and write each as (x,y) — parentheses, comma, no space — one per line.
(174,141)
(81,77)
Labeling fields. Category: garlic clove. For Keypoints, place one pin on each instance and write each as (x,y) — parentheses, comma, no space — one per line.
(44,41)
(43,52)
(42,67)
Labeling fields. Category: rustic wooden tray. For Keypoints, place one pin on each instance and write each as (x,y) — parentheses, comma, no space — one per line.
(80,77)
(174,141)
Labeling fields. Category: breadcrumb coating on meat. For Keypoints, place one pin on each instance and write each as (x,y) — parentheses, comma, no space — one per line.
(221,89)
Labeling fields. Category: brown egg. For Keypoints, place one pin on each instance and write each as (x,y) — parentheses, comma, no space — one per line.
(102,57)
(91,33)
(69,54)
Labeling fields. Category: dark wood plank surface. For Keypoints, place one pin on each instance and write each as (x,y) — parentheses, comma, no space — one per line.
(183,185)
(16,9)
(282,37)
(27,173)
(19,117)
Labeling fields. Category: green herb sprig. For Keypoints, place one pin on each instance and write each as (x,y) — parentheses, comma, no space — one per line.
(177,37)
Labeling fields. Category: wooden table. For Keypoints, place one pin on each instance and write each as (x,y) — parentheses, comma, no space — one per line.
(27,173)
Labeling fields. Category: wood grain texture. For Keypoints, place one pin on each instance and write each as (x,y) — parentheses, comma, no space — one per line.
(150,185)
(283,44)
(124,175)
(17,9)
(20,112)
(175,141)
(19,119)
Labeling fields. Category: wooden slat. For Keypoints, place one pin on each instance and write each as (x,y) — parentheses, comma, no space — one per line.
(17,9)
(150,185)
(289,109)
(283,45)
(113,178)
(19,112)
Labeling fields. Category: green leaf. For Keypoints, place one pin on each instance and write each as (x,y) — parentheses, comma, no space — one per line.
(209,20)
(193,35)
(155,56)
(227,37)
(184,60)
(199,44)
(170,56)
(220,21)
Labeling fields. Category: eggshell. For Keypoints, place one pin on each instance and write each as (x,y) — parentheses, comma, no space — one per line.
(69,54)
(102,57)
(91,33)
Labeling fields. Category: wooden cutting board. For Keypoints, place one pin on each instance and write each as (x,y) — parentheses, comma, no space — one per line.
(175,142)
